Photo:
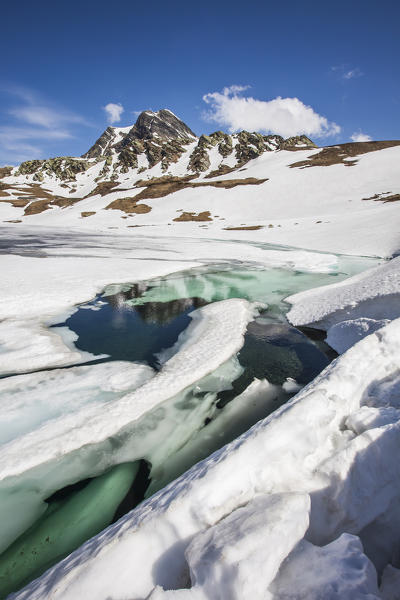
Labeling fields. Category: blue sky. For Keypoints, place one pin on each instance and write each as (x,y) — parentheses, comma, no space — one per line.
(330,69)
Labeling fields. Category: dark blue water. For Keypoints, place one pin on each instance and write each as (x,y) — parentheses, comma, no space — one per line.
(109,326)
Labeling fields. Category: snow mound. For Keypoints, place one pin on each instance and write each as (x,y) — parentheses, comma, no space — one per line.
(28,401)
(372,294)
(225,557)
(347,333)
(27,345)
(337,571)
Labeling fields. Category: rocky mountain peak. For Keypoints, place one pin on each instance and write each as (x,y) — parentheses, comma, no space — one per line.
(162,125)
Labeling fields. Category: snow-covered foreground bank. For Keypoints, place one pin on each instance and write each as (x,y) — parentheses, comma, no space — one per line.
(279,512)
(351,309)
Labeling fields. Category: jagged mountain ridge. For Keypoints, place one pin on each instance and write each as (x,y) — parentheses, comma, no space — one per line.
(161,137)
(162,124)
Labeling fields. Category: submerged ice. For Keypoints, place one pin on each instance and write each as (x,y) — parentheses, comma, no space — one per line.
(151,422)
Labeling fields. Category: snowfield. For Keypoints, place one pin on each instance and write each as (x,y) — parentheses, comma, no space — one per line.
(326,208)
(352,309)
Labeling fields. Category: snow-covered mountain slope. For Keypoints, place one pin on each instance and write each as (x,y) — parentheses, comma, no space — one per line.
(158,174)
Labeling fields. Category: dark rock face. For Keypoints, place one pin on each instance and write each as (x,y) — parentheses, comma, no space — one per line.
(161,135)
(199,159)
(63,167)
(149,126)
(163,124)
(102,145)
(298,141)
(249,146)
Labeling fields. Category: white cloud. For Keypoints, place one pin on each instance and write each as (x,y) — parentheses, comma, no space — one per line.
(26,133)
(20,143)
(284,116)
(235,89)
(358,136)
(39,124)
(45,116)
(353,73)
(114,112)
(345,72)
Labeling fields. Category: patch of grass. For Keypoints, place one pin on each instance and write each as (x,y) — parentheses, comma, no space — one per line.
(383,197)
(190,216)
(335,155)
(245,228)
(5,171)
(129,205)
(158,187)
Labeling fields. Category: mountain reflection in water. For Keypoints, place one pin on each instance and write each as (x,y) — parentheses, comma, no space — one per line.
(109,325)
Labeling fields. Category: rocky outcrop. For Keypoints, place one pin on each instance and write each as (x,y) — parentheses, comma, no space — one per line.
(102,145)
(162,124)
(160,135)
(29,167)
(199,160)
(5,171)
(225,146)
(63,167)
(298,142)
(127,159)
(249,146)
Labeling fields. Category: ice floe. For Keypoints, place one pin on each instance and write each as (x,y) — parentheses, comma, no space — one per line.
(373,294)
(53,447)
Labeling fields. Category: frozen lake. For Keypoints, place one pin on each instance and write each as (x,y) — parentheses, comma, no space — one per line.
(138,322)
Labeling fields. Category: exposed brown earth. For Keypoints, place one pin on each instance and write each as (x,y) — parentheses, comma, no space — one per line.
(335,155)
(103,188)
(13,221)
(40,206)
(5,171)
(394,198)
(384,198)
(16,202)
(34,198)
(129,205)
(34,208)
(88,213)
(158,187)
(190,216)
(245,228)
(222,170)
